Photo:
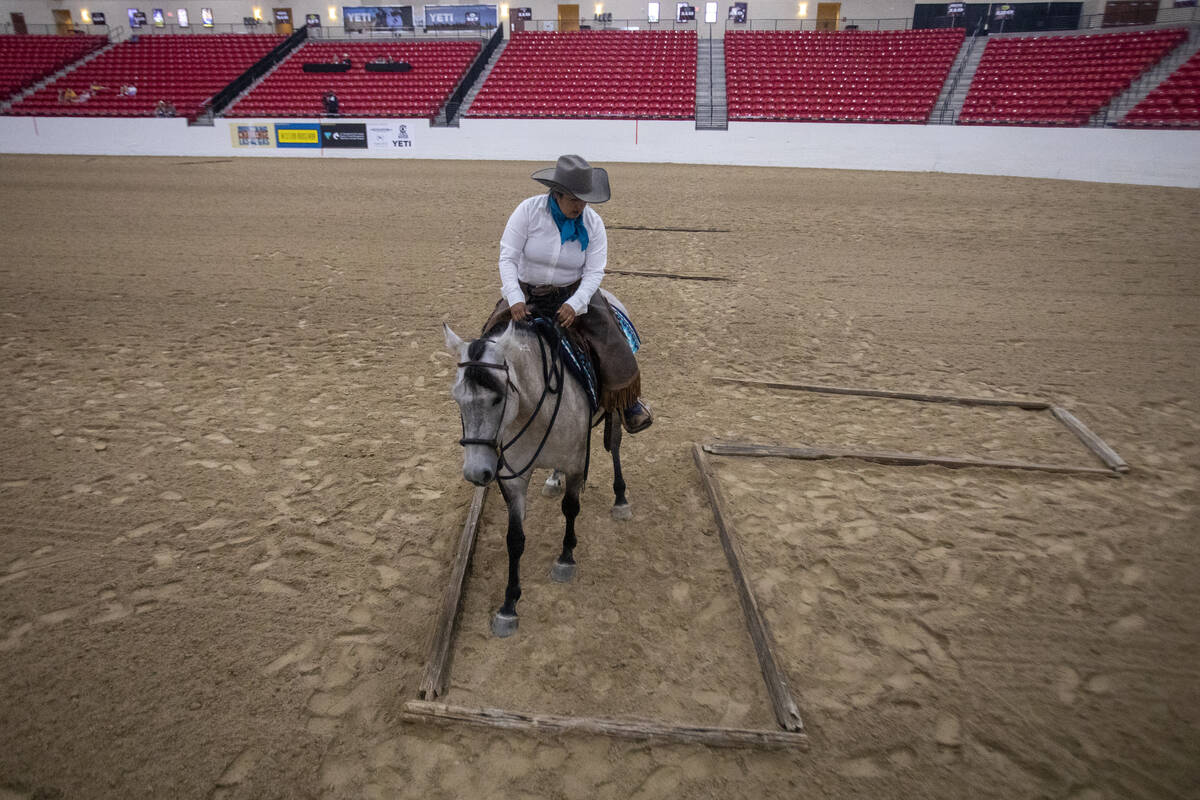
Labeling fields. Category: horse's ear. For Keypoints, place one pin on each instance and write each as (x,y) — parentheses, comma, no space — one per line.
(453,343)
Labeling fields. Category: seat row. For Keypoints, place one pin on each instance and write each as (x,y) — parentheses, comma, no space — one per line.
(789,75)
(437,67)
(642,75)
(1175,103)
(1057,101)
(25,60)
(152,67)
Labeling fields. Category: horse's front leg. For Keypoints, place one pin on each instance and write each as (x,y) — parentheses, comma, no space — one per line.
(612,442)
(505,621)
(564,566)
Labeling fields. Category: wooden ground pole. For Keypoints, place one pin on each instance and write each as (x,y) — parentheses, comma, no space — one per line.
(422,711)
(1093,442)
(885,457)
(1030,405)
(786,712)
(437,669)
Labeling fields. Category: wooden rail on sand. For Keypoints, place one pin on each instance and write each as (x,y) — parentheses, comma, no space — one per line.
(436,671)
(437,676)
(786,712)
(1091,440)
(1031,405)
(884,457)
(420,711)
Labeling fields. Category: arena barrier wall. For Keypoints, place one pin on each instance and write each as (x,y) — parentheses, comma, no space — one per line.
(1106,155)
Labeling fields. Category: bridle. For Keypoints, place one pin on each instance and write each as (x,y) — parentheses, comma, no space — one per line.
(552,375)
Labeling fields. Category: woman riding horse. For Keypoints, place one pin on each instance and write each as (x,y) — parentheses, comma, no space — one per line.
(552,259)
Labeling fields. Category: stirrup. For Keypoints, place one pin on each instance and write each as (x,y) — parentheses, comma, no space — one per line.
(637,417)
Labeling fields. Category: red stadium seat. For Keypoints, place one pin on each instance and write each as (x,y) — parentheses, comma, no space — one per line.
(586,74)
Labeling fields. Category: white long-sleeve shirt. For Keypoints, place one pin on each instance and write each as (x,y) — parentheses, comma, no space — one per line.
(532,251)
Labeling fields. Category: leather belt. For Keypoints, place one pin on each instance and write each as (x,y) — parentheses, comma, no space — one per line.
(548,289)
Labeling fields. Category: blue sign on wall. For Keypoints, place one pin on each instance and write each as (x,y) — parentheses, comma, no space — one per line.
(460,17)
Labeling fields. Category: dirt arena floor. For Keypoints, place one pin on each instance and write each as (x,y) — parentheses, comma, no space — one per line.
(231,487)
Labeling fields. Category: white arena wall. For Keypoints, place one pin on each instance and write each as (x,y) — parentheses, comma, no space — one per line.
(1149,157)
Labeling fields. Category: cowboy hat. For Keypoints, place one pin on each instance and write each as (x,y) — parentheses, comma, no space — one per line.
(576,177)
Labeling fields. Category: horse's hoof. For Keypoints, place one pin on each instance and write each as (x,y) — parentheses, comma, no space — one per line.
(553,487)
(561,572)
(623,511)
(504,625)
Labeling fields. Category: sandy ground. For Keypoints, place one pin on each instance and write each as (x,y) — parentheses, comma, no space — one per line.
(231,487)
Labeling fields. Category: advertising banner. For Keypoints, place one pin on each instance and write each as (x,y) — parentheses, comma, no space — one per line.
(250,135)
(137,18)
(459,18)
(389,136)
(297,134)
(738,12)
(344,134)
(363,19)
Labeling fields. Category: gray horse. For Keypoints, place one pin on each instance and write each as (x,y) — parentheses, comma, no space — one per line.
(522,411)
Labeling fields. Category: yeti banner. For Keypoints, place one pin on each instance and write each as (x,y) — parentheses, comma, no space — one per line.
(364,19)
(460,18)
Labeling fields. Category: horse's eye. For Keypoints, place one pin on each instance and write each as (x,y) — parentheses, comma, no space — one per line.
(496,402)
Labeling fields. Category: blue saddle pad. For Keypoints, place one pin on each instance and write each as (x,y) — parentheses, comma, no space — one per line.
(575,358)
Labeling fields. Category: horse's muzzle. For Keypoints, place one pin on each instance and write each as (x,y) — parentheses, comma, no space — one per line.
(480,477)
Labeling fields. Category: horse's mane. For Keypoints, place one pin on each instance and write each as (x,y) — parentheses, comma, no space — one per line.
(482,376)
(542,329)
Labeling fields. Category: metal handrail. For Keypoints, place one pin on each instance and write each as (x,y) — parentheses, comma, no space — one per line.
(959,72)
(477,66)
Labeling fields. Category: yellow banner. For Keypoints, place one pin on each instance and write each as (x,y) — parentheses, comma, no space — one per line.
(300,136)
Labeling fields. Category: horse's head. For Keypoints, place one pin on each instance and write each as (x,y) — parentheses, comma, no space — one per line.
(481,388)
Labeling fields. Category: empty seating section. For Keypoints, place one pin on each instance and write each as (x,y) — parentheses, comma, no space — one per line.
(289,91)
(592,74)
(185,70)
(837,76)
(1173,104)
(25,60)
(1059,80)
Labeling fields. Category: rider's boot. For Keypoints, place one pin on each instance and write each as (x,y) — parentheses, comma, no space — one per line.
(637,417)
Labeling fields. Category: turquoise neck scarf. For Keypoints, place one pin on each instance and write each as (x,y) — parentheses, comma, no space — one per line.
(568,229)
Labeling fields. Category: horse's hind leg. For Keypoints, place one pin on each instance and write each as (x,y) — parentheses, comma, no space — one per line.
(564,566)
(504,623)
(612,442)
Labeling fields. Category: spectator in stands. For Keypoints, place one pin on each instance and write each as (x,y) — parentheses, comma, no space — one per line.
(346,58)
(127,90)
(552,258)
(331,102)
(164,109)
(72,96)
(97,88)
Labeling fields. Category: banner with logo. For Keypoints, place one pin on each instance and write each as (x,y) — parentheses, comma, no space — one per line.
(250,134)
(363,19)
(460,17)
(344,134)
(389,136)
(297,134)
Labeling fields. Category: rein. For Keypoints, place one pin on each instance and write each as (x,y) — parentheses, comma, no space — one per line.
(553,372)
